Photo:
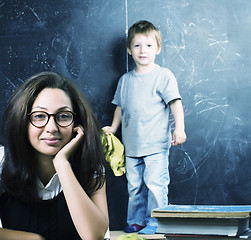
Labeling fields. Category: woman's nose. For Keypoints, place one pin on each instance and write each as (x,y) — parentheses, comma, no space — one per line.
(51,126)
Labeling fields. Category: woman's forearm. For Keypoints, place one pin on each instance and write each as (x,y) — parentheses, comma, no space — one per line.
(90,218)
(7,234)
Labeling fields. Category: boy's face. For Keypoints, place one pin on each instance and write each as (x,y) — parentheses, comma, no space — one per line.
(144,49)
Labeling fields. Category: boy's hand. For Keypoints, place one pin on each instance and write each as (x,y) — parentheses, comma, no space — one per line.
(179,137)
(109,129)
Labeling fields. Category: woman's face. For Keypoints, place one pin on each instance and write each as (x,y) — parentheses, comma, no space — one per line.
(48,140)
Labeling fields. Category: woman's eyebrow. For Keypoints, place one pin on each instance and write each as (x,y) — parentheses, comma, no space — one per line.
(63,108)
(59,109)
(39,107)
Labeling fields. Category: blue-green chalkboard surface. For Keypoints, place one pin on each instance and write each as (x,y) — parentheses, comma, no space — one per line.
(206,44)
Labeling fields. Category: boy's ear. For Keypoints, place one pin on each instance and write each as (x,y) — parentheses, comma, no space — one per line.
(159,50)
(129,51)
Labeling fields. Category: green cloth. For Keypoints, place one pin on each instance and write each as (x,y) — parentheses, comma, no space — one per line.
(114,151)
(131,236)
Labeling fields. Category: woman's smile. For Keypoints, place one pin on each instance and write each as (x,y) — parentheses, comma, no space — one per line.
(51,141)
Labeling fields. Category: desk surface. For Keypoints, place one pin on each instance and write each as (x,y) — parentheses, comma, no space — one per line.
(115,234)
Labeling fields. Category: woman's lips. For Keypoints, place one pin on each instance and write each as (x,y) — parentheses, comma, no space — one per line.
(51,141)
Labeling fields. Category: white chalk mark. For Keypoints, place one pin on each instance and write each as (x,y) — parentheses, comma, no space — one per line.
(178,66)
(203,100)
(185,5)
(67,52)
(190,25)
(219,57)
(8,80)
(193,68)
(177,49)
(222,69)
(194,173)
(211,108)
(218,42)
(126,9)
(213,40)
(35,14)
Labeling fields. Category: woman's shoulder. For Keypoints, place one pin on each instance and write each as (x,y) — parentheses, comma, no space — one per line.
(1,157)
(1,152)
(1,163)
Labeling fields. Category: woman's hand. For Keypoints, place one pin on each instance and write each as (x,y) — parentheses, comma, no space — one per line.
(80,205)
(70,147)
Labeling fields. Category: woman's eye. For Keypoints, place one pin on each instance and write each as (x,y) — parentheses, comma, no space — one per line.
(63,117)
(39,116)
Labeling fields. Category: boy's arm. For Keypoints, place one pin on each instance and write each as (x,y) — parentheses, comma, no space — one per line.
(179,135)
(115,122)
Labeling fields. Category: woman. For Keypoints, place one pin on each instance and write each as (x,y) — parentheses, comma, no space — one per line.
(52,177)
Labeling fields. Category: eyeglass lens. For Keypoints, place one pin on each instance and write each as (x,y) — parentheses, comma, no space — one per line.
(40,119)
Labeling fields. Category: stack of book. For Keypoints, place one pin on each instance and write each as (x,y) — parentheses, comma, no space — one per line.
(204,222)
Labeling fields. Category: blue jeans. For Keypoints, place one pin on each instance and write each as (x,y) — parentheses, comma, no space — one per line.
(148,179)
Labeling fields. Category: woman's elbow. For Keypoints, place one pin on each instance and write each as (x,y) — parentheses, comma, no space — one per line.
(97,232)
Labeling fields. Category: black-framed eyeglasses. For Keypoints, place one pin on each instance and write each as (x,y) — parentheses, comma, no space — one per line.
(40,119)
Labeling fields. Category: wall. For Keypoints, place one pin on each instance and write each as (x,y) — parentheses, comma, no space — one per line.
(205,43)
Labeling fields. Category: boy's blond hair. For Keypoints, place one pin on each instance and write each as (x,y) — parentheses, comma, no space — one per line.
(143,27)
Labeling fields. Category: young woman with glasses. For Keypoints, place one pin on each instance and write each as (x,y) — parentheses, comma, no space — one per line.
(52,173)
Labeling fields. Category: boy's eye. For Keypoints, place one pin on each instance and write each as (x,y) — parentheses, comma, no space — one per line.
(149,45)
(136,45)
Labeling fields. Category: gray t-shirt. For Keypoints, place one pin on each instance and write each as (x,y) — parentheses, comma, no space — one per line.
(144,99)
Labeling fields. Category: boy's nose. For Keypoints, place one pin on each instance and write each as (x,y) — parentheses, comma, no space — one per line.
(142,49)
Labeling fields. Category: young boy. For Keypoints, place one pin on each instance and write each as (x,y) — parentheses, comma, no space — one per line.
(144,97)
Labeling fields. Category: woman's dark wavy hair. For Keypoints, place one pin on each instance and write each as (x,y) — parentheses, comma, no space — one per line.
(19,175)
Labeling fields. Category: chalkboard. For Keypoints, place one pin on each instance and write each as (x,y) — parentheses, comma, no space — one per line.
(206,44)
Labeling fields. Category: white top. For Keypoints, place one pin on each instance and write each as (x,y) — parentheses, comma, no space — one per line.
(51,190)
